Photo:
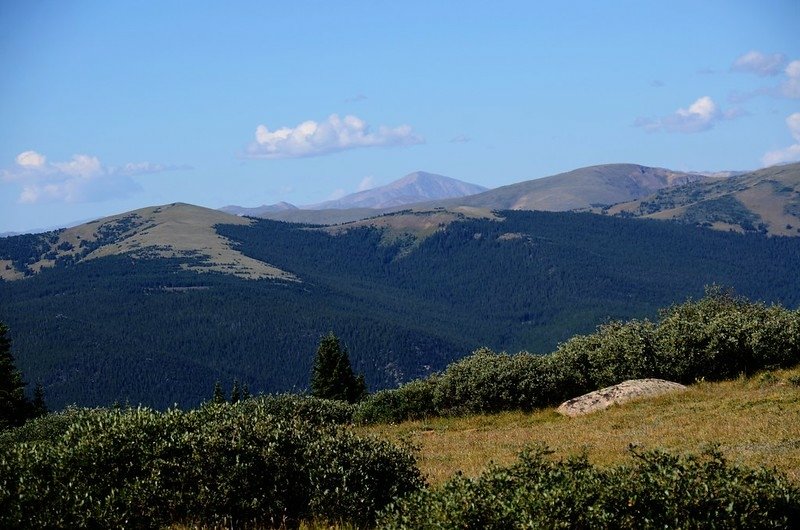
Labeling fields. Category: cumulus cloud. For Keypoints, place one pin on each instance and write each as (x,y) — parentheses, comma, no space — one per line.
(788,154)
(367,183)
(311,138)
(758,63)
(83,178)
(701,115)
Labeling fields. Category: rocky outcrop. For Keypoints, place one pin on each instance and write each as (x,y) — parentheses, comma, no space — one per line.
(617,395)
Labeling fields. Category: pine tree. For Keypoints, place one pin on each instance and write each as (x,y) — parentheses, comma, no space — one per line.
(218,396)
(332,376)
(245,392)
(39,407)
(235,393)
(14,406)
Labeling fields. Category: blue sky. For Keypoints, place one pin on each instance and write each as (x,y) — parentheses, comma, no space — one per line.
(110,106)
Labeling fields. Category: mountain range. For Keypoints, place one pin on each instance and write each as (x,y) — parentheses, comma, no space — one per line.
(766,201)
(154,305)
(413,188)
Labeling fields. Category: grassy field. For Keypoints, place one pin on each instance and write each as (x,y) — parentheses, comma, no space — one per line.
(755,421)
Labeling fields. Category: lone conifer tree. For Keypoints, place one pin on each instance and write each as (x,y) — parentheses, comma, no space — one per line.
(332,376)
(15,408)
(218,396)
(235,392)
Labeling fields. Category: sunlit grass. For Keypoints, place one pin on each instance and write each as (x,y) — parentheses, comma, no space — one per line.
(754,421)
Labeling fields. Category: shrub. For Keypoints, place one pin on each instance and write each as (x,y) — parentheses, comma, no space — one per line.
(414,400)
(303,407)
(42,429)
(234,463)
(658,490)
(722,335)
(716,337)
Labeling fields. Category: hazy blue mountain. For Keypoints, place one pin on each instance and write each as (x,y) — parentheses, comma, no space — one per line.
(259,211)
(581,188)
(414,187)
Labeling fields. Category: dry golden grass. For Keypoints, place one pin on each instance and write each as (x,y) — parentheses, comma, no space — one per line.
(754,421)
(170,231)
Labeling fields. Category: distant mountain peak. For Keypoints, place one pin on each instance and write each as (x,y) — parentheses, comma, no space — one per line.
(415,187)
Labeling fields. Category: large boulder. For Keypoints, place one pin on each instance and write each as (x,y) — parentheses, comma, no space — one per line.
(616,395)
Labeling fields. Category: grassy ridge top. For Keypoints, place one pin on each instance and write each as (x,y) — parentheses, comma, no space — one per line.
(755,421)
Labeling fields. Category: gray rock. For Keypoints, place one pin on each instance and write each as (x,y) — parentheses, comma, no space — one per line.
(617,395)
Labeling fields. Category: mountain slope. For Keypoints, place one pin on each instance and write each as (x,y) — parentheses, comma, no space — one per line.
(580,188)
(118,327)
(414,187)
(766,201)
(180,231)
(259,210)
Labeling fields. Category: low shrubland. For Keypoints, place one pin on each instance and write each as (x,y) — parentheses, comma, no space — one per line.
(656,490)
(717,337)
(235,463)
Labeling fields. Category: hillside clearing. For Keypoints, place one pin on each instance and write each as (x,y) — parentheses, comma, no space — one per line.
(755,421)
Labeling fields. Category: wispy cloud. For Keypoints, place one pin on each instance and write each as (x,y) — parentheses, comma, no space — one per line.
(336,194)
(460,139)
(700,116)
(356,98)
(367,183)
(335,134)
(787,154)
(768,65)
(755,62)
(83,178)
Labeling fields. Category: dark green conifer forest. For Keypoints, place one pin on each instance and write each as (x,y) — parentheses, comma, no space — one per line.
(147,331)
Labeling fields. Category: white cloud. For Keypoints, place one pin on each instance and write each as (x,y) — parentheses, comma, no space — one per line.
(332,135)
(791,86)
(83,178)
(367,183)
(30,159)
(701,115)
(788,154)
(460,139)
(755,62)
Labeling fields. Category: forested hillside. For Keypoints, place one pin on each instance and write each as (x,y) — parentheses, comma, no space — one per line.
(146,330)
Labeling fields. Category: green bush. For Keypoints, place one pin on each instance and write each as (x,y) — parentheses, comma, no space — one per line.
(303,407)
(42,429)
(414,400)
(657,490)
(235,463)
(716,337)
(722,335)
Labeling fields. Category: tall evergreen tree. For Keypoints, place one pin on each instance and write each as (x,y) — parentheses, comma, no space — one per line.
(39,407)
(332,376)
(218,396)
(14,406)
(235,392)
